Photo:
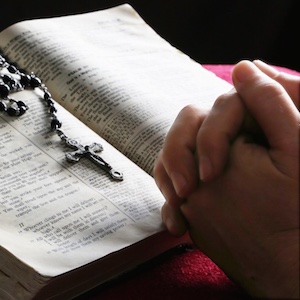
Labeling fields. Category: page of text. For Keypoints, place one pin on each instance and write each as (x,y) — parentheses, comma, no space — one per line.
(113,72)
(51,210)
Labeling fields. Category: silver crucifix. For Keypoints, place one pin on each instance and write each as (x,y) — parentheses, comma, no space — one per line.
(89,151)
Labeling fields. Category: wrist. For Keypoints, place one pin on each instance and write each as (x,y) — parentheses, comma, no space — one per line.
(280,279)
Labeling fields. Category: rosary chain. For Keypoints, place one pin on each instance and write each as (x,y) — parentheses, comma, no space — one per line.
(13,79)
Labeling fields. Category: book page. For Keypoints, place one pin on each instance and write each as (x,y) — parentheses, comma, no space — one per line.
(55,215)
(115,74)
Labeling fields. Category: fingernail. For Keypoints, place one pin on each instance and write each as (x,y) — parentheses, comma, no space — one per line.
(179,183)
(205,169)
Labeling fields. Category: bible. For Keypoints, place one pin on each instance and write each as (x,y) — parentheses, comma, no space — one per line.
(67,227)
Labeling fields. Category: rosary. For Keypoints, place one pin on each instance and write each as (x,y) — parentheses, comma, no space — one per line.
(14,80)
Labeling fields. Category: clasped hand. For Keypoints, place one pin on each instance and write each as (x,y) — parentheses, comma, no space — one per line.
(233,181)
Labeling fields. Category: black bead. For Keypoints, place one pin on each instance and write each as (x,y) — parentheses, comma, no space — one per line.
(22,110)
(12,69)
(3,106)
(35,82)
(2,60)
(55,124)
(47,95)
(11,111)
(10,81)
(25,80)
(7,78)
(52,109)
(21,103)
(50,102)
(4,90)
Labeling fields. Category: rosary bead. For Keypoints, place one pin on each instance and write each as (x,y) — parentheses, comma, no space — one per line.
(22,107)
(3,106)
(52,109)
(47,96)
(2,60)
(55,124)
(10,81)
(6,78)
(21,104)
(12,69)
(35,82)
(25,80)
(22,110)
(4,90)
(11,111)
(50,102)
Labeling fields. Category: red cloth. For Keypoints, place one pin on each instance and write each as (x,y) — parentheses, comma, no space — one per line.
(224,71)
(184,275)
(178,275)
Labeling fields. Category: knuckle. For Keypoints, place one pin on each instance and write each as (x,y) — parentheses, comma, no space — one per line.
(190,108)
(272,90)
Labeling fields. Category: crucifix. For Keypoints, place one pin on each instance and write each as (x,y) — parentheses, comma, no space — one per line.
(89,151)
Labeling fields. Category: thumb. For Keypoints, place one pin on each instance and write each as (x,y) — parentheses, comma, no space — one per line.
(271,107)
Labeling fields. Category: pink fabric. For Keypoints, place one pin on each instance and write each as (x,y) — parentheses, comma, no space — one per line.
(224,71)
(187,275)
(182,275)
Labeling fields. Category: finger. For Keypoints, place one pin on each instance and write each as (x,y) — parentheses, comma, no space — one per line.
(290,82)
(178,155)
(174,220)
(270,105)
(216,133)
(165,184)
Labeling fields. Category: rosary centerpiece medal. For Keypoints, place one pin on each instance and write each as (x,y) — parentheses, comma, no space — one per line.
(12,80)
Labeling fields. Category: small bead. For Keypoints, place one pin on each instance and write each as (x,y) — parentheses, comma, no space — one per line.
(52,109)
(12,69)
(4,90)
(21,103)
(7,78)
(47,95)
(25,80)
(2,60)
(11,111)
(50,102)
(3,106)
(55,124)
(35,82)
(12,83)
(22,110)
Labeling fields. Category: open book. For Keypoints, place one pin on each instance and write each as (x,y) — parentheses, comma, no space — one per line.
(67,227)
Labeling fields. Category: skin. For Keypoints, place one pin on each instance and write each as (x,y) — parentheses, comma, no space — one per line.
(235,183)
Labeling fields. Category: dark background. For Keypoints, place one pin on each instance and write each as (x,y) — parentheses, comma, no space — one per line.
(210,31)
